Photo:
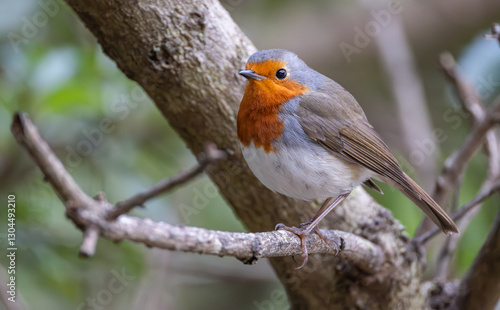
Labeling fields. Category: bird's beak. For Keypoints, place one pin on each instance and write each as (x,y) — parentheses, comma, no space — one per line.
(250,74)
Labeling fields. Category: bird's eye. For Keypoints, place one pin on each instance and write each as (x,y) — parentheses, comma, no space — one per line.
(281,74)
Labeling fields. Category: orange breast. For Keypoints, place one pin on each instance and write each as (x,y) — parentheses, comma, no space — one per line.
(258,114)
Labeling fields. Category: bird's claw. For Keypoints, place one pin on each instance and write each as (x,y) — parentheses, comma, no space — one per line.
(302,233)
(326,240)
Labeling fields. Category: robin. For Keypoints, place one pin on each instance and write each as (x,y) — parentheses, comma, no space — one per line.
(305,136)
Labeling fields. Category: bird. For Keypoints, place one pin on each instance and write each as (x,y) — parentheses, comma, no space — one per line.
(306,137)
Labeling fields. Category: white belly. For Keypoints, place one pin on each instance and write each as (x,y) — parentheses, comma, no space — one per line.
(304,173)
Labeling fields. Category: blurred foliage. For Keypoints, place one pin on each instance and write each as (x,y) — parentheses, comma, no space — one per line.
(62,79)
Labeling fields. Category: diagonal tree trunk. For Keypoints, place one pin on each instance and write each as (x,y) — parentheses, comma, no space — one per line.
(186,55)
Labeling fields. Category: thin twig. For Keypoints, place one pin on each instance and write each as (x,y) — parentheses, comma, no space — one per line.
(472,105)
(423,239)
(90,215)
(64,185)
(210,155)
(89,242)
(456,163)
(468,99)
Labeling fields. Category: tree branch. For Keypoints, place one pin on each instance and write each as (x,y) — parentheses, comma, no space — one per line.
(89,242)
(481,285)
(247,247)
(90,216)
(64,185)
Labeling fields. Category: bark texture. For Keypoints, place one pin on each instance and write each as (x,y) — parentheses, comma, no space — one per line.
(480,286)
(186,56)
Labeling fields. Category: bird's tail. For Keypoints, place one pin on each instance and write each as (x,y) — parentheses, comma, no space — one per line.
(416,194)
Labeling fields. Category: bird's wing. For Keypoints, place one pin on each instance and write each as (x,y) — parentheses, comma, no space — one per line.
(346,132)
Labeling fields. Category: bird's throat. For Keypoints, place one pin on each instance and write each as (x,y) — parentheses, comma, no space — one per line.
(258,120)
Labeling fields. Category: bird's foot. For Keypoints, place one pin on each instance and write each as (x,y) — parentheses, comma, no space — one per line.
(302,232)
(326,240)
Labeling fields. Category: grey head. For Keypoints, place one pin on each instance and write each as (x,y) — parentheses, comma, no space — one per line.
(296,68)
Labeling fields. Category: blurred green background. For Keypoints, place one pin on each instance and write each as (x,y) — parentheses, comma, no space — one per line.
(57,73)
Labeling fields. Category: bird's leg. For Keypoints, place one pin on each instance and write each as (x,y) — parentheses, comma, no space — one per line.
(305,229)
